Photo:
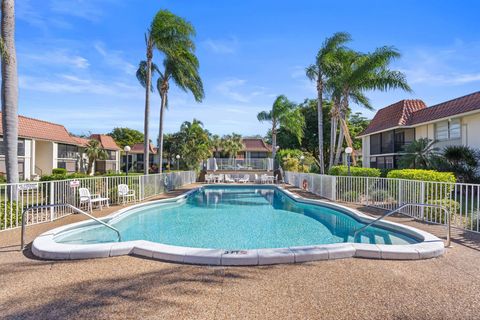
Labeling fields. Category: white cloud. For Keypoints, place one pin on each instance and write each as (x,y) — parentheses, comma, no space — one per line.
(238,90)
(56,57)
(114,58)
(227,46)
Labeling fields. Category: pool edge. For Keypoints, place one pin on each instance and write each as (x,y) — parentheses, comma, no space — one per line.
(45,247)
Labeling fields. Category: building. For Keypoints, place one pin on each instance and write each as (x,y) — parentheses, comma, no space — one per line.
(454,122)
(110,164)
(136,158)
(44,146)
(253,148)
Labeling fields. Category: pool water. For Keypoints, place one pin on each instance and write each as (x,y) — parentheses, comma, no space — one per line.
(246,217)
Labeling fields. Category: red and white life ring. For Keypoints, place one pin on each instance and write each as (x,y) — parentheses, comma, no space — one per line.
(305,184)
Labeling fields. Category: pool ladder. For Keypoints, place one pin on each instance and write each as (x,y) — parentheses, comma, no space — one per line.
(56,205)
(447,214)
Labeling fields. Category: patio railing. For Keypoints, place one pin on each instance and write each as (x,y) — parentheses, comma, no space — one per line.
(66,191)
(461,199)
(224,164)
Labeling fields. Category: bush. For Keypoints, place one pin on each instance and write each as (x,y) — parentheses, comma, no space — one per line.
(354,171)
(11,221)
(438,215)
(53,176)
(422,175)
(59,171)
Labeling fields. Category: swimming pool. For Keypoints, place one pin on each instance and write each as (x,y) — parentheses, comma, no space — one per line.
(225,223)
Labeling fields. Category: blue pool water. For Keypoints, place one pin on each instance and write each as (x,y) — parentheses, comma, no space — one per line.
(235,218)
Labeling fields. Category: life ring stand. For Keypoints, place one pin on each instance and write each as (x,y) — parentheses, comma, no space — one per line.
(305,184)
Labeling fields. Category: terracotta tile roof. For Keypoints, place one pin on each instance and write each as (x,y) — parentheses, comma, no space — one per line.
(138,148)
(106,141)
(446,109)
(42,130)
(81,141)
(256,144)
(397,114)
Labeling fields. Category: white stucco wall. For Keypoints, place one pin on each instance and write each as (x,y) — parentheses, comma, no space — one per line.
(44,156)
(366,152)
(471,130)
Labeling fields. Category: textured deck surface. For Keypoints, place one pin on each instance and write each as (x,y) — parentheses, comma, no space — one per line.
(135,288)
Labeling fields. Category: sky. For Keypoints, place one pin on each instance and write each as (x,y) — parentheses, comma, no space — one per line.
(77,58)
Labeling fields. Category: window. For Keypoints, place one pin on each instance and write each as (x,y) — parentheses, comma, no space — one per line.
(21,147)
(112,155)
(448,130)
(66,151)
(375,141)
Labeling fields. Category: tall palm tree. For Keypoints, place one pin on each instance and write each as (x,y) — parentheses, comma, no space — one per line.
(319,72)
(182,70)
(148,86)
(94,152)
(357,74)
(286,114)
(9,91)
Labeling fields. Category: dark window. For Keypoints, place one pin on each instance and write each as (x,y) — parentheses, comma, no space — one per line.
(375,143)
(21,147)
(112,155)
(66,151)
(387,142)
(140,157)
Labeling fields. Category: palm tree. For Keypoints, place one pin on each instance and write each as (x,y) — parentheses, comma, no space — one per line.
(232,144)
(359,73)
(167,33)
(286,114)
(419,154)
(319,72)
(216,142)
(94,152)
(9,91)
(182,69)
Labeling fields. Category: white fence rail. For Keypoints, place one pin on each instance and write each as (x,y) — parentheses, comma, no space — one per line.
(66,191)
(461,199)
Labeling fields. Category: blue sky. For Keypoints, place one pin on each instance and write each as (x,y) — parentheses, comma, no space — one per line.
(77,58)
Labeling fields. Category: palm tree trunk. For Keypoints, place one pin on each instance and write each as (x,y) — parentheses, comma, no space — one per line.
(333,139)
(349,141)
(160,131)
(274,144)
(338,153)
(10,93)
(148,84)
(320,126)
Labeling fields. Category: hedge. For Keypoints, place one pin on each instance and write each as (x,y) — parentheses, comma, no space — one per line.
(422,175)
(354,171)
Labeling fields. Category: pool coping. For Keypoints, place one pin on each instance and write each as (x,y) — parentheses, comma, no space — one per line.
(429,246)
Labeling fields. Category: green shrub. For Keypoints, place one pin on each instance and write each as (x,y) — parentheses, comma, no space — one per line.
(422,175)
(53,176)
(11,221)
(354,171)
(438,215)
(59,171)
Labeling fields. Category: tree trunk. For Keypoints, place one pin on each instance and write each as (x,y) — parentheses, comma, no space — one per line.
(148,84)
(274,144)
(160,131)
(338,153)
(348,139)
(10,94)
(333,139)
(90,167)
(320,126)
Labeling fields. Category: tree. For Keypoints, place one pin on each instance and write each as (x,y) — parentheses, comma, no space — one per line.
(126,136)
(94,152)
(9,91)
(462,161)
(216,142)
(356,73)
(232,144)
(283,113)
(318,72)
(419,154)
(193,143)
(183,71)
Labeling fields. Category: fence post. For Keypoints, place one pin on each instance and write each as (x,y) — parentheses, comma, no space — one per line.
(334,188)
(52,200)
(400,188)
(366,191)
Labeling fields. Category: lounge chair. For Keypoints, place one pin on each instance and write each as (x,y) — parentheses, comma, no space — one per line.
(228,178)
(90,199)
(245,179)
(209,178)
(125,193)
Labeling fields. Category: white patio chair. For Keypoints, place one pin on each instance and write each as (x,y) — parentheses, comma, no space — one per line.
(125,193)
(263,178)
(209,178)
(90,199)
(228,178)
(220,178)
(245,179)
(257,178)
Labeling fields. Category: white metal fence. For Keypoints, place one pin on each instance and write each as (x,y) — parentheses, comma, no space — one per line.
(66,191)
(231,164)
(461,199)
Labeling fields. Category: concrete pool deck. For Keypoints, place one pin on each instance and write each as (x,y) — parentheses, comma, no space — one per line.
(130,287)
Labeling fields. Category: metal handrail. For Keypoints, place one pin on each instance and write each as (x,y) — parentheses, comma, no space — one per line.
(411,205)
(63,205)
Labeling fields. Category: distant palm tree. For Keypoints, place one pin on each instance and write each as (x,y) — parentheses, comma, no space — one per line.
(216,142)
(232,144)
(286,114)
(319,72)
(419,154)
(9,91)
(94,152)
(356,74)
